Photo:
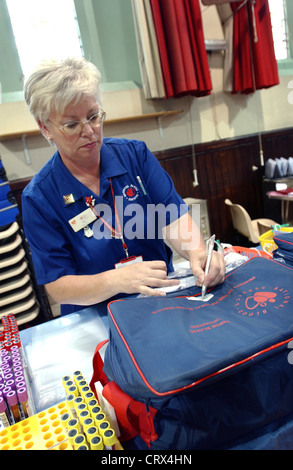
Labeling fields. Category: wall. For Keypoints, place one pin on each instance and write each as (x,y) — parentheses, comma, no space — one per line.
(219,116)
(214,118)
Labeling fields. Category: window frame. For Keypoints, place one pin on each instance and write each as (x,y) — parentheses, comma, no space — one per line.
(285,66)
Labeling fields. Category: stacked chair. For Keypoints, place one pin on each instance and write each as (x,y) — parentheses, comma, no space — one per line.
(18,294)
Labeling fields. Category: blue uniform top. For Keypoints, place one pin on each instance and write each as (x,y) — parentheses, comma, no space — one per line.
(57,250)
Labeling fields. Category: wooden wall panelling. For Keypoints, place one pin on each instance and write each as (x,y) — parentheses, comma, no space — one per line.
(224,171)
(278,144)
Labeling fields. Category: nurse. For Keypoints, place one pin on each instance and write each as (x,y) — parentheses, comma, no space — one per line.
(95,213)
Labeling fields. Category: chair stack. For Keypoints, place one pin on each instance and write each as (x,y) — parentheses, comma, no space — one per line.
(17,294)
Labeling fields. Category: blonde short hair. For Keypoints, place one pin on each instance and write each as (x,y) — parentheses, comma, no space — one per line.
(54,84)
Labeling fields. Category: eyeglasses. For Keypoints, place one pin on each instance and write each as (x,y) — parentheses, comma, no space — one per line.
(75,127)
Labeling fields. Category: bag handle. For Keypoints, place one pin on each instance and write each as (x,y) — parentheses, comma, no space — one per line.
(98,364)
(133,416)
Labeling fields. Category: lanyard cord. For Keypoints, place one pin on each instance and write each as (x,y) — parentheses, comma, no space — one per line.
(114,233)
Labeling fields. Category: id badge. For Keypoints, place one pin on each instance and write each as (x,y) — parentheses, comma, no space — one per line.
(128,261)
(82,220)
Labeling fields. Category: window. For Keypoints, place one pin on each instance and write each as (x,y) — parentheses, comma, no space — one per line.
(44,20)
(280,28)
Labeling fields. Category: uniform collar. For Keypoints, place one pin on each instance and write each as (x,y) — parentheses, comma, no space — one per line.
(110,167)
(110,164)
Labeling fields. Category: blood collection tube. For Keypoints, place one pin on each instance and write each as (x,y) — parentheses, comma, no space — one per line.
(16,362)
(19,373)
(90,432)
(96,443)
(79,440)
(68,383)
(11,398)
(109,439)
(72,390)
(85,414)
(95,410)
(81,407)
(73,423)
(82,447)
(99,417)
(92,404)
(72,433)
(103,426)
(78,378)
(65,418)
(65,379)
(77,373)
(89,396)
(10,383)
(81,384)
(77,401)
(8,345)
(18,369)
(87,423)
(6,369)
(23,400)
(4,415)
(8,376)
(5,391)
(7,360)
(70,403)
(84,390)
(20,381)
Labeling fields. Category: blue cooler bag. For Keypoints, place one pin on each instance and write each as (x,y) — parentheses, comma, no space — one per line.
(187,374)
(284,252)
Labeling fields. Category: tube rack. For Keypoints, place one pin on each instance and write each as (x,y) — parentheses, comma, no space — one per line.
(78,423)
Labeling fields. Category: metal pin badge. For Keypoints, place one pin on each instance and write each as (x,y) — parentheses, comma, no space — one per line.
(68,199)
(88,232)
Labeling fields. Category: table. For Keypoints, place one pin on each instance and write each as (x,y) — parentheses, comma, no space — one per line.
(285,198)
(61,346)
(58,348)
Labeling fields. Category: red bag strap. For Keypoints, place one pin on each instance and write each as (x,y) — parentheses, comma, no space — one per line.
(120,402)
(98,374)
(134,417)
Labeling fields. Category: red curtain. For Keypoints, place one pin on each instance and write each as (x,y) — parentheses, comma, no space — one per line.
(254,62)
(184,62)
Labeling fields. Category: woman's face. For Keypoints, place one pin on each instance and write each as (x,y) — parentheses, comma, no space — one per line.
(83,147)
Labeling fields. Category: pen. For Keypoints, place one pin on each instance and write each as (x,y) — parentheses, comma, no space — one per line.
(141,185)
(210,247)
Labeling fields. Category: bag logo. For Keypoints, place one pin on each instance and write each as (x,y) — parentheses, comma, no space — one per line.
(260,298)
(256,303)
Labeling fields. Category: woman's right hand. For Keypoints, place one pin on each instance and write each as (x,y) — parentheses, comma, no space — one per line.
(138,278)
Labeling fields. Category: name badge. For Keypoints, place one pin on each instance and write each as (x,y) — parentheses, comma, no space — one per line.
(127,261)
(82,220)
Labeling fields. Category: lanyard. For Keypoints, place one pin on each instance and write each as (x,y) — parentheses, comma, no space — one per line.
(114,233)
